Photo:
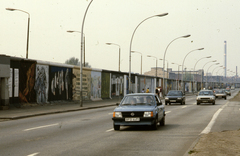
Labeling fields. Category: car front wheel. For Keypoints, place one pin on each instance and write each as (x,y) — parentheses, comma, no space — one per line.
(155,125)
(162,122)
(116,127)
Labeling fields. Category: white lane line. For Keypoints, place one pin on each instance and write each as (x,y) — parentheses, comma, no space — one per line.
(211,123)
(167,112)
(41,127)
(110,113)
(184,106)
(109,130)
(33,154)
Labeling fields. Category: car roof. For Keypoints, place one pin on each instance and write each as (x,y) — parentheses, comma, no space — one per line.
(141,94)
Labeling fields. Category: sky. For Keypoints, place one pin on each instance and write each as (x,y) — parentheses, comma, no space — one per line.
(209,23)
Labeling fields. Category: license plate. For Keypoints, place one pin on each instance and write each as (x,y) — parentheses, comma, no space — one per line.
(172,100)
(132,119)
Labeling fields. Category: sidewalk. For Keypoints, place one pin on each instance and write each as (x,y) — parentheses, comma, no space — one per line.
(52,108)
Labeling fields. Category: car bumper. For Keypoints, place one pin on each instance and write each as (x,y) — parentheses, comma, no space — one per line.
(173,101)
(206,101)
(143,121)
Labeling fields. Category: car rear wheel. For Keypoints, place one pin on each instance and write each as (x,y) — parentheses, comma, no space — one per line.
(198,103)
(225,98)
(213,103)
(116,127)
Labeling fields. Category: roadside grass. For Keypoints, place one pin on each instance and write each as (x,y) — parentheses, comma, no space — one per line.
(236,97)
(192,151)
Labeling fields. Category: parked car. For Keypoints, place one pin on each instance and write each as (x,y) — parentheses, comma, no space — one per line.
(228,91)
(175,96)
(206,96)
(220,93)
(139,109)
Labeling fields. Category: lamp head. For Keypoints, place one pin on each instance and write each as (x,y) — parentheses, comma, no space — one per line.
(209,57)
(10,9)
(186,36)
(108,43)
(70,31)
(200,48)
(160,15)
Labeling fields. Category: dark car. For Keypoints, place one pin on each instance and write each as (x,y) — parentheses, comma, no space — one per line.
(139,109)
(206,96)
(175,96)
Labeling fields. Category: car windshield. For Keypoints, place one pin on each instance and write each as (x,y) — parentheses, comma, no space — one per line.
(174,93)
(138,100)
(205,93)
(219,91)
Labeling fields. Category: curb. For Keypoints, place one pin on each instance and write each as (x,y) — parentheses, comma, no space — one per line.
(55,112)
(192,146)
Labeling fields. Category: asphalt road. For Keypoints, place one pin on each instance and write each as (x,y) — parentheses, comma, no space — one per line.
(90,132)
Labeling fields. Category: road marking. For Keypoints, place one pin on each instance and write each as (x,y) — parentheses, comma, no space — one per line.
(110,113)
(41,127)
(167,112)
(211,123)
(33,154)
(109,130)
(184,106)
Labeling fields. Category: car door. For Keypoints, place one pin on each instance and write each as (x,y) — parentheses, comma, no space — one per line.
(160,108)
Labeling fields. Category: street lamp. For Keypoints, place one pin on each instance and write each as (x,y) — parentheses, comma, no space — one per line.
(82,44)
(129,79)
(119,53)
(156,62)
(183,65)
(208,69)
(212,74)
(141,59)
(11,9)
(178,75)
(194,69)
(72,31)
(186,36)
(202,71)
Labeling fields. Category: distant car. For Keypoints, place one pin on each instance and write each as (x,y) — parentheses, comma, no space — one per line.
(139,109)
(220,93)
(206,96)
(232,88)
(175,96)
(228,91)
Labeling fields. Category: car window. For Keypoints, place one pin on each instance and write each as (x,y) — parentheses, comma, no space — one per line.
(205,93)
(174,93)
(139,100)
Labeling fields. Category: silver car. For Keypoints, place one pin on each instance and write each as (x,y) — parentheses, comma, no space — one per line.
(220,93)
(206,96)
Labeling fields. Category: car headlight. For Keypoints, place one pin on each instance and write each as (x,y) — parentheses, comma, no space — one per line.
(179,98)
(148,114)
(212,98)
(117,114)
(198,98)
(166,98)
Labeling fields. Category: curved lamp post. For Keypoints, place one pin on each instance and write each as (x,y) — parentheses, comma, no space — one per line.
(178,75)
(183,87)
(212,73)
(156,62)
(73,31)
(129,78)
(202,71)
(208,69)
(82,44)
(195,66)
(186,36)
(11,9)
(119,53)
(141,59)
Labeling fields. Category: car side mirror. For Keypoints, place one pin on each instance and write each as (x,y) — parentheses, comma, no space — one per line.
(117,104)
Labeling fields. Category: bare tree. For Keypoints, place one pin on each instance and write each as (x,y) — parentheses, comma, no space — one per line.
(75,61)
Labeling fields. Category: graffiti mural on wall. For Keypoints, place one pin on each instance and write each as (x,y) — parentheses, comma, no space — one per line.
(60,83)
(26,81)
(96,85)
(42,83)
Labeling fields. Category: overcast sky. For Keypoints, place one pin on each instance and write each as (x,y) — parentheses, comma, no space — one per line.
(210,23)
